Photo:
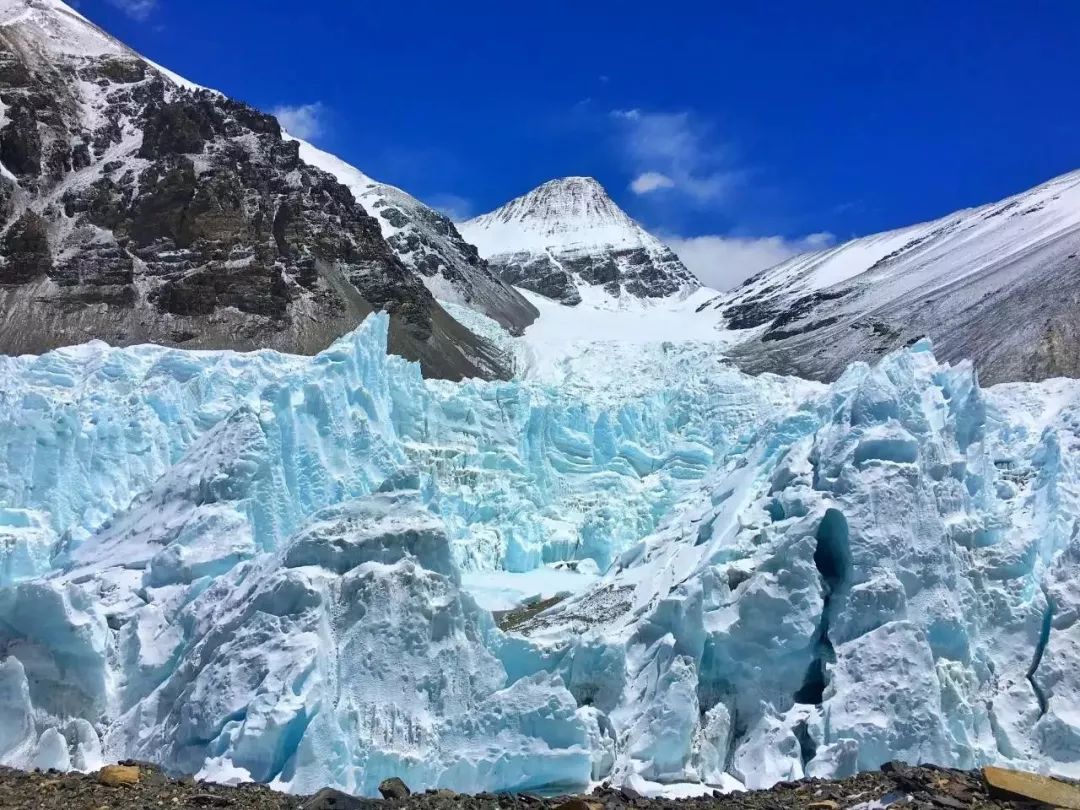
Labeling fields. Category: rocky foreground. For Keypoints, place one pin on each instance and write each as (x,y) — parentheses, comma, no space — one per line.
(137,785)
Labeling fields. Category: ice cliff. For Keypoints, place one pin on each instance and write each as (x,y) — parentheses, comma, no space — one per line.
(886,573)
(263,566)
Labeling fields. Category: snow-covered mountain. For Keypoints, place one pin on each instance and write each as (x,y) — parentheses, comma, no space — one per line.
(136,206)
(568,234)
(999,284)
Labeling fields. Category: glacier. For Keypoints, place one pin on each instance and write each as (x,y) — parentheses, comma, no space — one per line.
(283,568)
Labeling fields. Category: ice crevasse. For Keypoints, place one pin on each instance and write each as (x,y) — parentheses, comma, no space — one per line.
(251,566)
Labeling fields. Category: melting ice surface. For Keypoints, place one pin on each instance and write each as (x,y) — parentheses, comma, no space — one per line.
(281,568)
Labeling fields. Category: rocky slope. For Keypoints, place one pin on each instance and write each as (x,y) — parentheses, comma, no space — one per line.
(569,233)
(999,284)
(136,207)
(429,244)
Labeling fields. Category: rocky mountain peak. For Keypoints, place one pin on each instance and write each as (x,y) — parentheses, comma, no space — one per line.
(569,233)
(566,209)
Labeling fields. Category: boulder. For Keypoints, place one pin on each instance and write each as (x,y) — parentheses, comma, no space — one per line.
(394,788)
(330,799)
(1032,787)
(118,775)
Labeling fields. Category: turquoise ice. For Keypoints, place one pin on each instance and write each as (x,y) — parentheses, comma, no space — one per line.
(251,566)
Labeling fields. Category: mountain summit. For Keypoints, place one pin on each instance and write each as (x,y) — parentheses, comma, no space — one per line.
(567,233)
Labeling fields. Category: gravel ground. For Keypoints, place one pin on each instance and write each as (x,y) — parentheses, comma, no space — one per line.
(895,785)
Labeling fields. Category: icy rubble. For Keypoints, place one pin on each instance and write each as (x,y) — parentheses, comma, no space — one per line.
(252,567)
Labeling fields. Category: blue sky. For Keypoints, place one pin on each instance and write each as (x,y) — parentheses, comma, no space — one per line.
(756,128)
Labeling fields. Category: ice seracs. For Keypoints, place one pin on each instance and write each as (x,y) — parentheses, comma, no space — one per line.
(187,504)
(349,656)
(568,234)
(872,578)
(774,578)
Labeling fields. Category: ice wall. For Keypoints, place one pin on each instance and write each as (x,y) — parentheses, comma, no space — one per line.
(522,473)
(882,575)
(165,598)
(250,566)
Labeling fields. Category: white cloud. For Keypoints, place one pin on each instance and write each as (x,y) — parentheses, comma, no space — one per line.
(651,181)
(723,262)
(139,9)
(681,155)
(681,149)
(305,121)
(452,205)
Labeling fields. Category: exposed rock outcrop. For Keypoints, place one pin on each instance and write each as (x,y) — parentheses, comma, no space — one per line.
(429,244)
(139,208)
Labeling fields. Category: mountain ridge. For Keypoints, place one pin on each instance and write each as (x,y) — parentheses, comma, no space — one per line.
(429,244)
(955,279)
(138,207)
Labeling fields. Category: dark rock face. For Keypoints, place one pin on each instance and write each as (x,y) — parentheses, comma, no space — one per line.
(633,271)
(428,243)
(26,247)
(135,210)
(539,273)
(20,143)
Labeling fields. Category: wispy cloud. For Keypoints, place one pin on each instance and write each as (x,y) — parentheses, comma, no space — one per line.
(306,121)
(452,205)
(137,9)
(676,152)
(723,262)
(651,181)
(679,161)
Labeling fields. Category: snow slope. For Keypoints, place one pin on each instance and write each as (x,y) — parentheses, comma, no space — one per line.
(568,235)
(613,342)
(69,32)
(956,280)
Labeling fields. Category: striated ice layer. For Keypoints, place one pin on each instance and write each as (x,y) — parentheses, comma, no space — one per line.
(524,474)
(262,566)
